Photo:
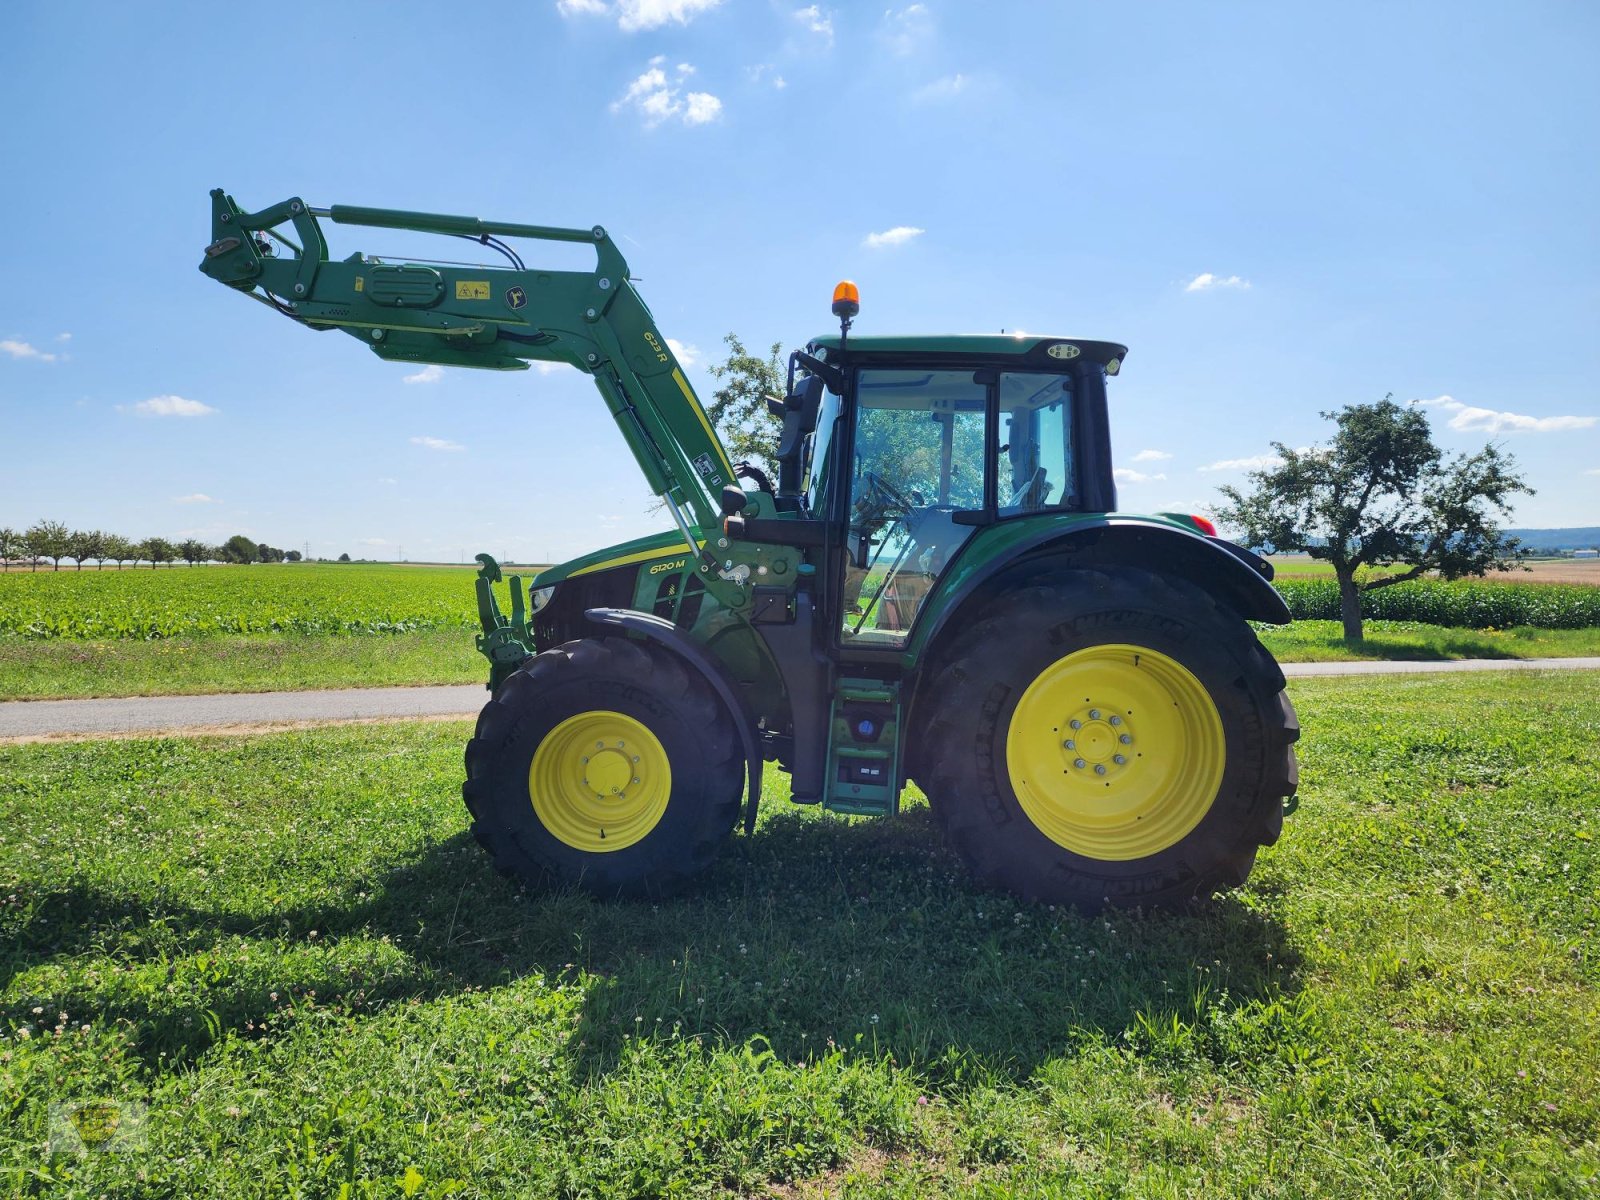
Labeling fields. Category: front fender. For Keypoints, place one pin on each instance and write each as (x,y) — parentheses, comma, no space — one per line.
(672,639)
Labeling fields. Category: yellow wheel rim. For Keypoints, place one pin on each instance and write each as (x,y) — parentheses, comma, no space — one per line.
(1115,752)
(599,781)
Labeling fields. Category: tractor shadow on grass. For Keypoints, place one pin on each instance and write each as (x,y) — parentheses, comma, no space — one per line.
(813,934)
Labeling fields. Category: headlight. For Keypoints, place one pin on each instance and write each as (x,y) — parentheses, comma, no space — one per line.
(539,597)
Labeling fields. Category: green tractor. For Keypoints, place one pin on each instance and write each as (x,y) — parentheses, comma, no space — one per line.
(936,588)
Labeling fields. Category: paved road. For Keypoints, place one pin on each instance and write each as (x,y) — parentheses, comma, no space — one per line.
(242,712)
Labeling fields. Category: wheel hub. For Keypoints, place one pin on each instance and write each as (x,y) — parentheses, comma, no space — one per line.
(1115,752)
(599,781)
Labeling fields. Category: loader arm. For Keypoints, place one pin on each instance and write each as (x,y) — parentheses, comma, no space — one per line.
(497,317)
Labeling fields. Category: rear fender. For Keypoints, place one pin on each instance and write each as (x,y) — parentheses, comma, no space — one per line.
(1238,579)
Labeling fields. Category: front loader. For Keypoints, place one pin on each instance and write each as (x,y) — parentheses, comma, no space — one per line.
(936,588)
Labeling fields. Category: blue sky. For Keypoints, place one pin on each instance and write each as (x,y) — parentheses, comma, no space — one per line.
(1280,208)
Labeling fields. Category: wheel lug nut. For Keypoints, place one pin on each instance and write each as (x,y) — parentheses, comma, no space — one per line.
(1099,768)
(1069,744)
(1079,763)
(1076,724)
(1125,740)
(1094,714)
(1116,758)
(1116,720)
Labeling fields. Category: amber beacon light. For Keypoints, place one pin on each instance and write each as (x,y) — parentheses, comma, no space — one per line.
(846,300)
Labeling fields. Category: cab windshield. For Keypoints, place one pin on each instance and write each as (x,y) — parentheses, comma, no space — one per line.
(919,459)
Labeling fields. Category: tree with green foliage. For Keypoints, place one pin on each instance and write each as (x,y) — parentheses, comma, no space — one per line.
(292,556)
(1381,505)
(49,539)
(118,549)
(344,558)
(739,406)
(192,551)
(157,550)
(238,549)
(85,544)
(10,545)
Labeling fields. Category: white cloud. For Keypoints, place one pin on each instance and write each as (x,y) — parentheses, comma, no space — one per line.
(20,349)
(898,236)
(1206,282)
(758,72)
(63,337)
(941,89)
(433,443)
(1124,475)
(1151,456)
(636,15)
(906,30)
(686,354)
(1256,462)
(387,479)
(1593,471)
(550,368)
(172,406)
(431,373)
(1468,419)
(373,542)
(700,108)
(815,20)
(656,98)
(195,498)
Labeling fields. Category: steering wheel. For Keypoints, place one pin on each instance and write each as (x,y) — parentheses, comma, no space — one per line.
(882,498)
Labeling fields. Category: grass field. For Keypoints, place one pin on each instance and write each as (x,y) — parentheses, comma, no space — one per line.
(289,949)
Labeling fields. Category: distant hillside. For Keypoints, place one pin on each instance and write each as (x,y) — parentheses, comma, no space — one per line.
(1585,538)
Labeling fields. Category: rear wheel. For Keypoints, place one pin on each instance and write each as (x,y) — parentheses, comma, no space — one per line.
(1109,737)
(603,764)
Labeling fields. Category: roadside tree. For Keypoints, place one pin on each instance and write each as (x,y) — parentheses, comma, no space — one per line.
(118,549)
(85,544)
(159,550)
(49,539)
(1381,505)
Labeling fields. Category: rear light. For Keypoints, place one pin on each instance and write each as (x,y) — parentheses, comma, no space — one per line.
(1204,525)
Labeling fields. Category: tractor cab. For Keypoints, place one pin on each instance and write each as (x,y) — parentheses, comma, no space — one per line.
(907,447)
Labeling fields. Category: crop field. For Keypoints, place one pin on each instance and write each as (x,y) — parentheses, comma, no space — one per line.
(301,598)
(284,962)
(1539,570)
(272,627)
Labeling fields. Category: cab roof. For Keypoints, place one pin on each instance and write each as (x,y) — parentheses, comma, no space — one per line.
(1025,346)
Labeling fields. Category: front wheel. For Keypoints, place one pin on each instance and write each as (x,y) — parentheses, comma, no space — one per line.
(605,765)
(1111,737)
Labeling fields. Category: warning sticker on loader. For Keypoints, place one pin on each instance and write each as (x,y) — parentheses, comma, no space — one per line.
(472,289)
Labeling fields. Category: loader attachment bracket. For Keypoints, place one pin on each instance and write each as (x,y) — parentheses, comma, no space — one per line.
(504,642)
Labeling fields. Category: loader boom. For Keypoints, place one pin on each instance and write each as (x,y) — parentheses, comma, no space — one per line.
(497,317)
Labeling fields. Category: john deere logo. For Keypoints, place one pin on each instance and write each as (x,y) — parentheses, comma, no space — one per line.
(1063,350)
(516,297)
